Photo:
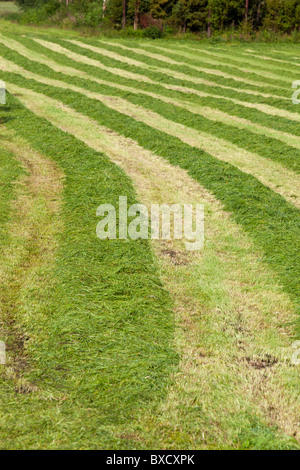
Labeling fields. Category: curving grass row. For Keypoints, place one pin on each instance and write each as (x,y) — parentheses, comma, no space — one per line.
(263,87)
(221,101)
(243,138)
(144,64)
(163,77)
(179,63)
(106,340)
(236,61)
(203,61)
(10,171)
(272,58)
(266,216)
(158,72)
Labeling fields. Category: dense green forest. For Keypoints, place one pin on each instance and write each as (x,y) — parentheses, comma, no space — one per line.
(205,16)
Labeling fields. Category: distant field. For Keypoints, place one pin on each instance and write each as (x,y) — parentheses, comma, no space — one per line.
(8,7)
(123,344)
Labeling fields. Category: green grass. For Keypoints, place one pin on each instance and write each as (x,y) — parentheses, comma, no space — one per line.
(10,171)
(281,152)
(260,437)
(105,338)
(271,221)
(100,333)
(149,63)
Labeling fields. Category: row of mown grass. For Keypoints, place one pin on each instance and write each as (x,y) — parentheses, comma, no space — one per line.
(165,72)
(188,68)
(264,55)
(281,152)
(218,82)
(241,99)
(10,171)
(162,78)
(243,423)
(226,62)
(236,54)
(272,222)
(106,332)
(192,65)
(62,421)
(153,72)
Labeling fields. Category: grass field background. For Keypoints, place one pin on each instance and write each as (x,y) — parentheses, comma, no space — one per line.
(136,344)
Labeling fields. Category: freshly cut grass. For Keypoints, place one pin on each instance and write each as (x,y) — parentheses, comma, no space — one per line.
(243,57)
(157,74)
(241,123)
(27,257)
(182,270)
(105,362)
(207,112)
(284,153)
(261,114)
(266,58)
(91,58)
(10,171)
(215,84)
(264,214)
(106,331)
(161,60)
(37,57)
(183,57)
(271,174)
(248,140)
(235,63)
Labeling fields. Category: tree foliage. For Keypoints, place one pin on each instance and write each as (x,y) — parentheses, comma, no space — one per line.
(282,16)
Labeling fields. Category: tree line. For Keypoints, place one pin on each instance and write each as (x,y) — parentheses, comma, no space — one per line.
(280,16)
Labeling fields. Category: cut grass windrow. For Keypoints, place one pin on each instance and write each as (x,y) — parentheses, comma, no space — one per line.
(182,57)
(27,257)
(271,221)
(110,347)
(106,331)
(256,112)
(10,171)
(273,175)
(266,171)
(222,128)
(93,55)
(210,113)
(236,61)
(206,315)
(154,68)
(216,85)
(158,61)
(268,58)
(273,106)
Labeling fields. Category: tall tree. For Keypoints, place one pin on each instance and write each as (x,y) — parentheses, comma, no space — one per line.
(209,23)
(258,11)
(136,14)
(124,15)
(246,10)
